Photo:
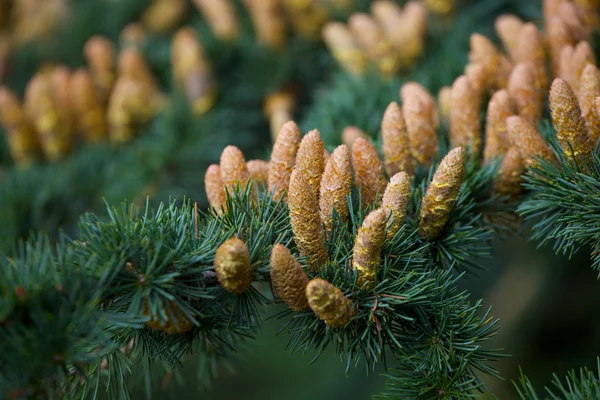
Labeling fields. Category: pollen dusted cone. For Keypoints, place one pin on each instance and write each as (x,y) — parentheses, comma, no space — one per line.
(508,180)
(51,124)
(572,62)
(414,89)
(133,35)
(269,22)
(278,108)
(329,303)
(21,136)
(288,278)
(305,219)
(310,162)
(306,16)
(283,159)
(60,82)
(33,20)
(100,56)
(465,128)
(497,66)
(133,104)
(589,90)
(573,18)
(232,265)
(568,121)
(531,49)
(395,142)
(221,16)
(528,140)
(259,171)
(215,190)
(395,202)
(132,65)
(477,76)
(277,120)
(566,67)
(192,72)
(550,9)
(590,11)
(351,133)
(374,43)
(366,253)
(557,36)
(410,34)
(336,186)
(441,194)
(389,16)
(404,28)
(525,96)
(369,177)
(496,133)
(508,27)
(90,113)
(582,56)
(445,101)
(420,115)
(177,321)
(162,16)
(344,48)
(234,170)
(440,6)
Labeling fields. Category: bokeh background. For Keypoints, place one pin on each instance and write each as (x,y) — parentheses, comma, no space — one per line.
(548,305)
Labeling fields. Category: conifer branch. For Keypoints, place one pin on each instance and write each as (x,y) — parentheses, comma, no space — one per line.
(582,385)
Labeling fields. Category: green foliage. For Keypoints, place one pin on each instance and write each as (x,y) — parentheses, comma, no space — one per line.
(442,360)
(158,266)
(50,323)
(582,385)
(562,206)
(132,268)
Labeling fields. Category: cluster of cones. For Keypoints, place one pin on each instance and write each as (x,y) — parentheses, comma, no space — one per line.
(517,83)
(270,18)
(25,21)
(112,98)
(314,184)
(391,38)
(408,131)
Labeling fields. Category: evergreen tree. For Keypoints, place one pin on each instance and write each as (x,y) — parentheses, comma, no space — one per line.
(438,129)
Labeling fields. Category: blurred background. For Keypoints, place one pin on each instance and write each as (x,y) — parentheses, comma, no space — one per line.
(157,126)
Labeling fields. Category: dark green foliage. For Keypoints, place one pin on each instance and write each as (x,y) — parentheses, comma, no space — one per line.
(576,386)
(50,323)
(444,355)
(563,207)
(132,267)
(158,265)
